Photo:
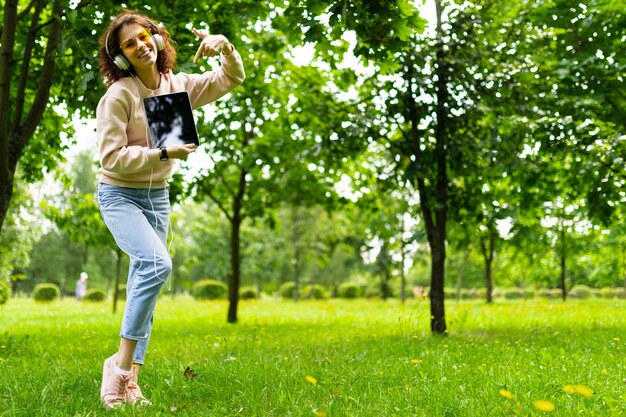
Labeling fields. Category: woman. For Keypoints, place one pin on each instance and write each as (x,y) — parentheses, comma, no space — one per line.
(136,61)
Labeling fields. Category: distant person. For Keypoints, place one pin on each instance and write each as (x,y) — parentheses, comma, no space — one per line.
(81,286)
(136,61)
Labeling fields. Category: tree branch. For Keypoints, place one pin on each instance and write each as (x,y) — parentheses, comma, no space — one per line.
(23,133)
(28,47)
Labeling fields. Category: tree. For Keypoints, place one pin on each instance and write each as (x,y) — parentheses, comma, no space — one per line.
(19,117)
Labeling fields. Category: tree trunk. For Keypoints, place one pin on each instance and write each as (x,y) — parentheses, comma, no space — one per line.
(437,308)
(624,265)
(296,256)
(461,273)
(433,198)
(488,249)
(235,263)
(563,260)
(6,67)
(384,285)
(438,233)
(402,273)
(235,250)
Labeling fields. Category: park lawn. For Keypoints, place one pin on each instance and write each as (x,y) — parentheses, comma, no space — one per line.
(323,358)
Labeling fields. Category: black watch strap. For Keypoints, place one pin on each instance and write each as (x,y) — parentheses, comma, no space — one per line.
(164,156)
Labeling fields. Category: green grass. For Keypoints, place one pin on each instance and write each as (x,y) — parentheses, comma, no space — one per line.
(368,358)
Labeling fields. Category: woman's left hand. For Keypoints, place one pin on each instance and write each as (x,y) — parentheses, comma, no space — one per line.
(212,45)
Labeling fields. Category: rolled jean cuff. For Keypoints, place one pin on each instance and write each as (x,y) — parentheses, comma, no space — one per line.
(136,338)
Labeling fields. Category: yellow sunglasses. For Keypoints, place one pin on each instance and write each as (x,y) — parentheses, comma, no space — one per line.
(130,44)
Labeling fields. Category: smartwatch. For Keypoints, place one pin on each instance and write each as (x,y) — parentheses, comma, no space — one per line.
(164,156)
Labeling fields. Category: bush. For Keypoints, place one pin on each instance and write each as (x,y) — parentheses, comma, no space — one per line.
(121,292)
(314,292)
(286,290)
(4,292)
(94,295)
(606,292)
(469,294)
(372,291)
(247,293)
(529,293)
(481,293)
(620,292)
(449,293)
(513,293)
(209,289)
(45,293)
(350,290)
(581,292)
(550,293)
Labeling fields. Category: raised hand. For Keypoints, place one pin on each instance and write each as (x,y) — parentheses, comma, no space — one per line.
(211,45)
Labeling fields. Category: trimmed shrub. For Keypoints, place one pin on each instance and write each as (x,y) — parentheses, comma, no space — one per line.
(449,293)
(314,292)
(4,292)
(94,295)
(372,291)
(606,292)
(529,293)
(513,293)
(550,293)
(350,290)
(286,290)
(481,293)
(45,293)
(580,292)
(247,293)
(469,294)
(209,289)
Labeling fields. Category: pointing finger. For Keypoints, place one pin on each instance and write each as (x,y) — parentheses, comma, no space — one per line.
(198,53)
(199,34)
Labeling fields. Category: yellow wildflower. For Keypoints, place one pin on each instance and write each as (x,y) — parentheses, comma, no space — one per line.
(544,405)
(416,361)
(583,390)
(311,379)
(569,389)
(320,414)
(506,394)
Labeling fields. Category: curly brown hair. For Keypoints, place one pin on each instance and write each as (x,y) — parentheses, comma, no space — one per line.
(166,58)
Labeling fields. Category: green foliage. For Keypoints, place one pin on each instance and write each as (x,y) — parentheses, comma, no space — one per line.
(581,292)
(314,292)
(607,292)
(121,291)
(550,293)
(248,293)
(45,292)
(95,295)
(5,292)
(350,290)
(287,290)
(513,293)
(209,289)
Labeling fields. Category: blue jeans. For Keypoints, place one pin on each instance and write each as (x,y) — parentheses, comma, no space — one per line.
(138,219)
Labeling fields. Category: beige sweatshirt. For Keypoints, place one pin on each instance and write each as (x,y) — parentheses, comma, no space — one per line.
(126,156)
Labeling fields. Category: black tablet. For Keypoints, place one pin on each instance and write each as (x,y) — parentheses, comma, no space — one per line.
(170,119)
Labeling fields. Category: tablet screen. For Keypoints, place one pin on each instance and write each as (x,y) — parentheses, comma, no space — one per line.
(170,120)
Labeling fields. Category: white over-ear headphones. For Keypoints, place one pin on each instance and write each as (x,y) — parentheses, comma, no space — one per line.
(120,60)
